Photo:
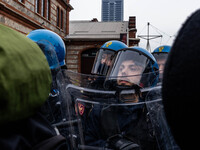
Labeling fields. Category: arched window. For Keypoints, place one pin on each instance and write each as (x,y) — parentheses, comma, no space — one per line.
(87,60)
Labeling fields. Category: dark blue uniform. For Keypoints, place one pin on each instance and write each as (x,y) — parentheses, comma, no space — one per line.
(129,122)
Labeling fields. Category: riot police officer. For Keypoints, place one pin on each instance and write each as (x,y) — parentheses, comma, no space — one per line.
(103,61)
(122,121)
(99,71)
(58,108)
(105,55)
(161,54)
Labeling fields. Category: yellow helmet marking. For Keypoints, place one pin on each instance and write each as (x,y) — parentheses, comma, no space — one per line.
(108,44)
(161,48)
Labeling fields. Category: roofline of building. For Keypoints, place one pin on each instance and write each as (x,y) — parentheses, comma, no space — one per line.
(134,39)
(70,6)
(66,4)
(89,39)
(97,39)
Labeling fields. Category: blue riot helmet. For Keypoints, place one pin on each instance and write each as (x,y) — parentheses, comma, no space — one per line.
(105,55)
(114,45)
(132,66)
(48,50)
(51,104)
(161,54)
(53,38)
(162,49)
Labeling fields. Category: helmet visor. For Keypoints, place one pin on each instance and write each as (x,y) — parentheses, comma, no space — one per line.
(128,68)
(102,61)
(161,60)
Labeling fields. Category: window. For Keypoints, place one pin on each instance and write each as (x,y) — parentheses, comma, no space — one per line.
(22,1)
(58,16)
(43,8)
(61,23)
(48,9)
(37,6)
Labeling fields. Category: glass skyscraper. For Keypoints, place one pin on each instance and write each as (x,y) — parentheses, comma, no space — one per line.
(112,10)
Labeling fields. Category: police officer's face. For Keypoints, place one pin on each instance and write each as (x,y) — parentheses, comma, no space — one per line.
(161,64)
(106,59)
(131,73)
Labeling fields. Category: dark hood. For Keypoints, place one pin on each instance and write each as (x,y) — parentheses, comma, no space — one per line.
(181,81)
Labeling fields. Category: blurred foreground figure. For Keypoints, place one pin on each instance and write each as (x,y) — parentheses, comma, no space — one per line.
(181,84)
(25,83)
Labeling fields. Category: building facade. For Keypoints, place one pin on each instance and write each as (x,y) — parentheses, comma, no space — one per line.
(86,37)
(112,10)
(82,38)
(27,15)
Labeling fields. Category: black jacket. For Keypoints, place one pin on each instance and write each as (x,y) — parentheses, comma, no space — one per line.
(33,133)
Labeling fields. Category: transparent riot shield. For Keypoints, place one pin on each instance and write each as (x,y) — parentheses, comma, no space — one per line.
(109,116)
(157,116)
(63,112)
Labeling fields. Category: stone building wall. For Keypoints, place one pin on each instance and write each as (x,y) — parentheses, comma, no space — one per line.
(22,16)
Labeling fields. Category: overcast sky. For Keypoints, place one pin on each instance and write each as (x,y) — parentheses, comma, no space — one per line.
(165,16)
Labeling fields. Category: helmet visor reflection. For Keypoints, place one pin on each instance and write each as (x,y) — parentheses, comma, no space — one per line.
(128,67)
(102,61)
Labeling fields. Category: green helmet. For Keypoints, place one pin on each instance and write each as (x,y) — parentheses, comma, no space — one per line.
(25,77)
